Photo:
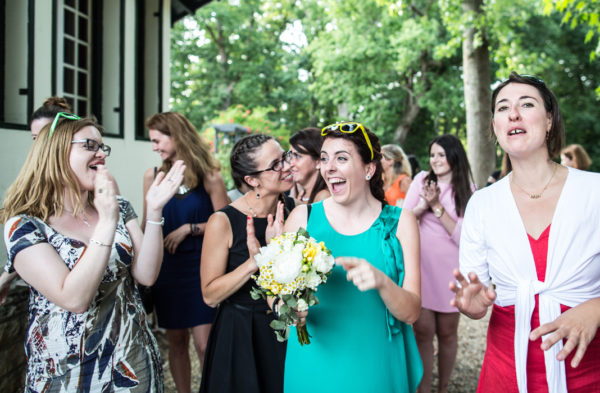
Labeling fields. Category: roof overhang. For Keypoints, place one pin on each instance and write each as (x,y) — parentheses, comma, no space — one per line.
(181,8)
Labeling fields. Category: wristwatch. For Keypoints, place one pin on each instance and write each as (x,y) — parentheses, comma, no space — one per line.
(438,212)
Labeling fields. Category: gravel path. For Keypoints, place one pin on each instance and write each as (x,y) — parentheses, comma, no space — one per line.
(471,346)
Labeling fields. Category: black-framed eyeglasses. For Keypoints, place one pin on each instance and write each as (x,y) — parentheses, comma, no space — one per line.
(277,166)
(66,115)
(93,145)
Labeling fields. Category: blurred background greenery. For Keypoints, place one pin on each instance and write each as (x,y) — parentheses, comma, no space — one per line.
(396,66)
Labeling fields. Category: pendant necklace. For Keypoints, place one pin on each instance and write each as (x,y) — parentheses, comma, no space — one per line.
(252,212)
(82,217)
(536,196)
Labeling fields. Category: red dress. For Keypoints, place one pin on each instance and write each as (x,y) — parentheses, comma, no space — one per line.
(498,371)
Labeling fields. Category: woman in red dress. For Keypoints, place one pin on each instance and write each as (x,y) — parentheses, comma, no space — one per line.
(534,235)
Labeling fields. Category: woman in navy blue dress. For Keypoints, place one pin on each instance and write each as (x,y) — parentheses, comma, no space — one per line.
(177,293)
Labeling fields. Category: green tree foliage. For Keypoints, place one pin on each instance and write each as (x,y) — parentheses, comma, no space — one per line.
(394,65)
(230,54)
(576,13)
(377,63)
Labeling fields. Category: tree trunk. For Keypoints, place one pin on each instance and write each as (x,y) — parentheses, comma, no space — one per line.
(411,111)
(476,76)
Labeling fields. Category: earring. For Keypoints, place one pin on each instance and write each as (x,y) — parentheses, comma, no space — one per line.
(257,195)
(368,177)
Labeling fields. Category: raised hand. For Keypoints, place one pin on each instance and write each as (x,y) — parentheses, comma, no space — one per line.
(472,298)
(164,187)
(362,274)
(251,240)
(275,224)
(105,199)
(431,193)
(577,325)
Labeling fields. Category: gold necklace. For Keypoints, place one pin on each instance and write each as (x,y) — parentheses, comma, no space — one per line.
(535,196)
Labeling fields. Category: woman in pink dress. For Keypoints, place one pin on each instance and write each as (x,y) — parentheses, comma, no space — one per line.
(438,198)
(534,234)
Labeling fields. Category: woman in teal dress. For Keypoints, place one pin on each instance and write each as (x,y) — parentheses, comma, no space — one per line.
(362,340)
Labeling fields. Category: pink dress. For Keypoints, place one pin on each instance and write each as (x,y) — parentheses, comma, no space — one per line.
(439,250)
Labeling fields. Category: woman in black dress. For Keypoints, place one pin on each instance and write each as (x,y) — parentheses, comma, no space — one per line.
(243,354)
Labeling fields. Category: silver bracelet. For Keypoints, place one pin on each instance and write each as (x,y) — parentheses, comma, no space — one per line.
(161,222)
(92,240)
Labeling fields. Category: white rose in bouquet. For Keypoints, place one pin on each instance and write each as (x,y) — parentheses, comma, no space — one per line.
(266,255)
(323,262)
(313,280)
(287,265)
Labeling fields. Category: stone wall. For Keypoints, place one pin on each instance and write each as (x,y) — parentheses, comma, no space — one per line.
(13,324)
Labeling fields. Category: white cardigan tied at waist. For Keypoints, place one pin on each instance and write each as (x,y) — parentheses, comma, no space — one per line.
(494,244)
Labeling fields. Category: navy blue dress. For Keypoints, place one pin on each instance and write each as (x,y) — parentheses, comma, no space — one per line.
(177,293)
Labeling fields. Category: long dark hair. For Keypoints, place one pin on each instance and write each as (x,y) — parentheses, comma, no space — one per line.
(309,141)
(376,181)
(462,177)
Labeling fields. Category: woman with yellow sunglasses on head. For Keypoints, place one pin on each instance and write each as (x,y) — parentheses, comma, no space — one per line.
(361,340)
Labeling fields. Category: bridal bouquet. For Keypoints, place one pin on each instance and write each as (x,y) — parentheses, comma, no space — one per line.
(291,267)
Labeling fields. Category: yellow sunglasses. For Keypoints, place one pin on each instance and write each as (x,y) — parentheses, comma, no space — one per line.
(348,128)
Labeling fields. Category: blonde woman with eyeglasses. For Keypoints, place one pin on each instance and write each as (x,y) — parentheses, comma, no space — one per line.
(80,249)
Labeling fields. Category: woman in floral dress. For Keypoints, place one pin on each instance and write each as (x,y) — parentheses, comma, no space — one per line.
(80,249)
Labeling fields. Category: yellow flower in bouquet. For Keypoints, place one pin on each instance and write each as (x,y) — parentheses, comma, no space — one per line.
(292,266)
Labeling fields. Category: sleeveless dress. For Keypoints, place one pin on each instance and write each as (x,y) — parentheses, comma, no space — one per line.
(394,192)
(107,348)
(356,344)
(243,354)
(498,370)
(177,293)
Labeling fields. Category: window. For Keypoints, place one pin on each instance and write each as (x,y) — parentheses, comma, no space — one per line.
(74,54)
(16,67)
(89,63)
(149,59)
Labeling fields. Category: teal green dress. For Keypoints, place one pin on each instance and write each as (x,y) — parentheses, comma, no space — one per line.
(356,344)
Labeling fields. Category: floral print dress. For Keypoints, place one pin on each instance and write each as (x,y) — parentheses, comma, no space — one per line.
(107,348)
